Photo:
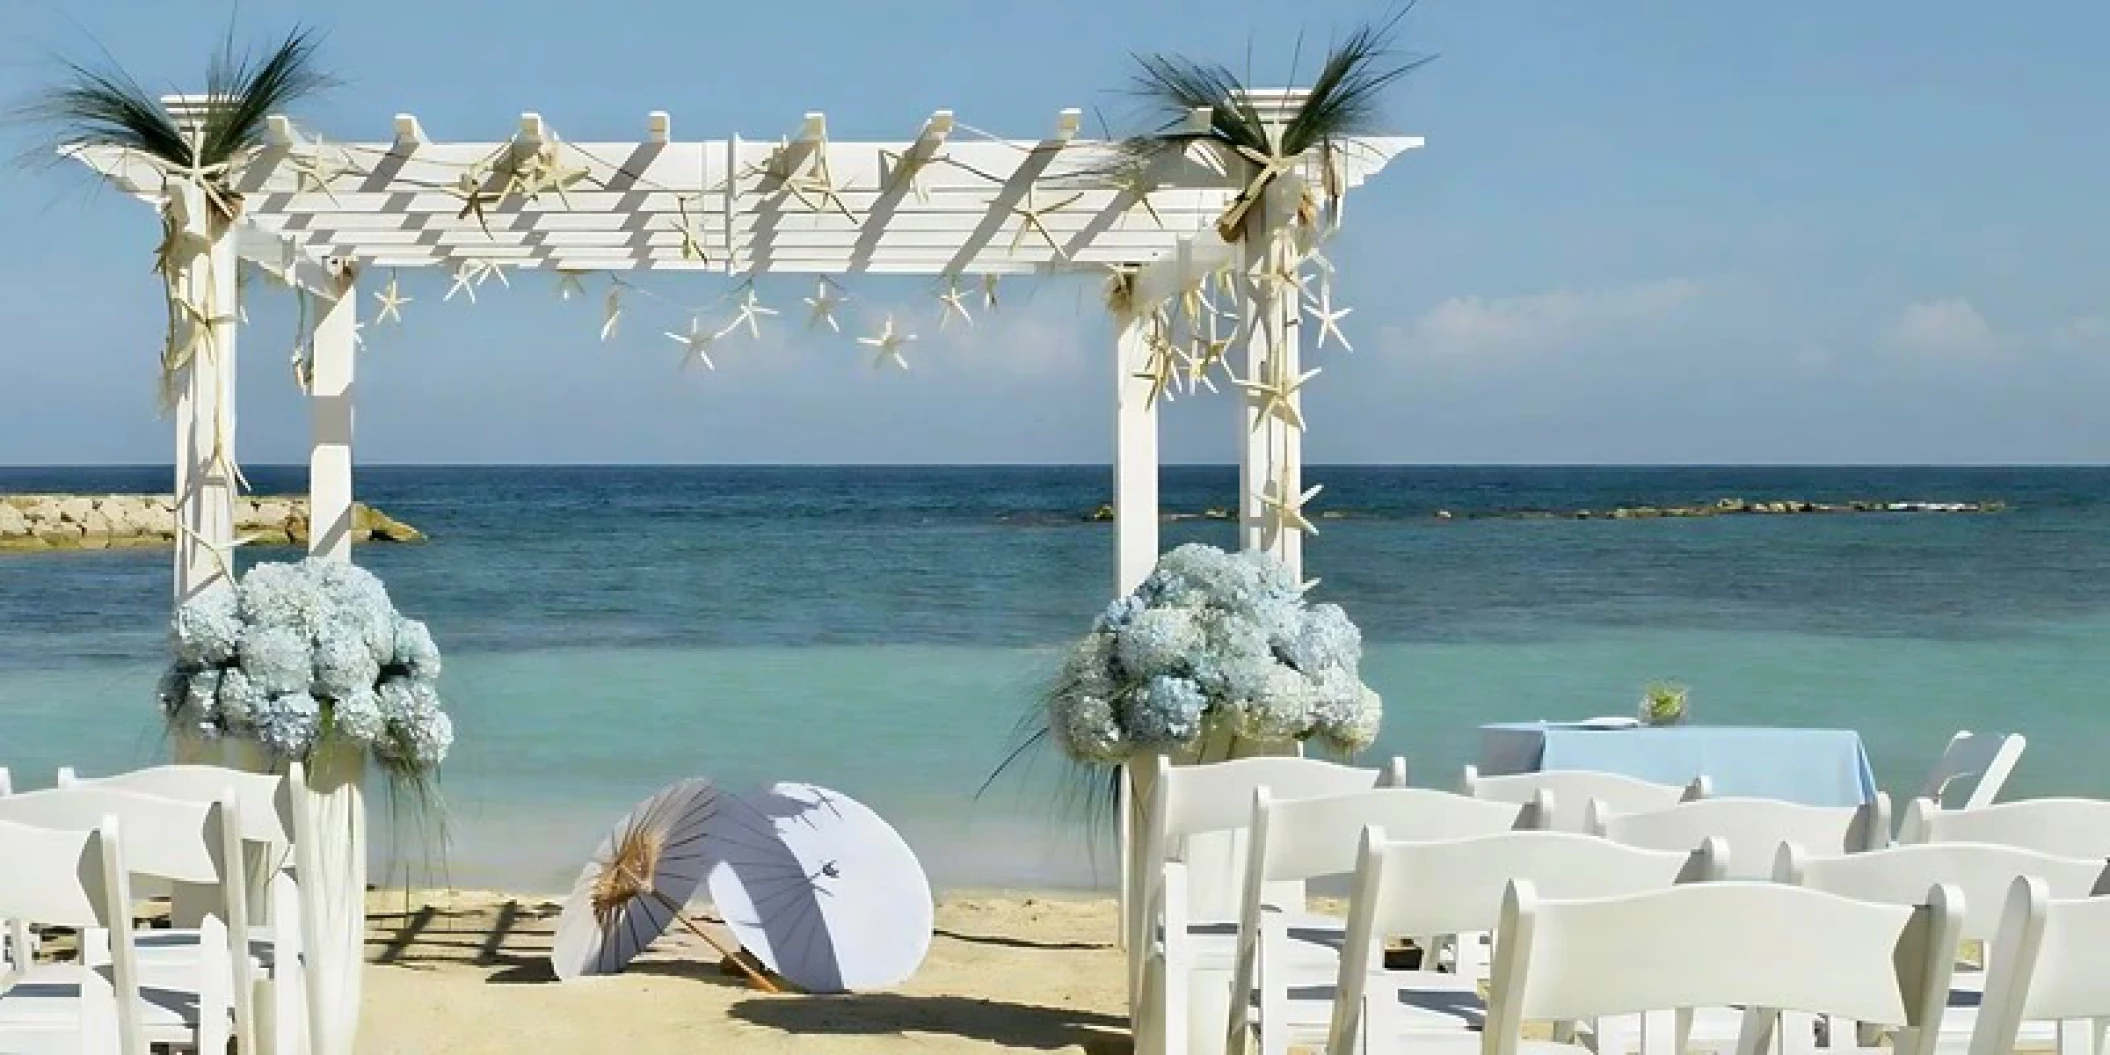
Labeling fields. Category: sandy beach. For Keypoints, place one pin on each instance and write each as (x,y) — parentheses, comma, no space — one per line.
(467,972)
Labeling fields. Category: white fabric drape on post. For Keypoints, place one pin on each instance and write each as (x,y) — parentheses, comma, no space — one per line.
(331,863)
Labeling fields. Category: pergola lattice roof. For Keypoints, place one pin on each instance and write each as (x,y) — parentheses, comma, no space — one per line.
(949,201)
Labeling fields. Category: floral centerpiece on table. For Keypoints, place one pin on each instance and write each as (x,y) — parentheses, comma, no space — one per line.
(1663,704)
(1213,642)
(297,656)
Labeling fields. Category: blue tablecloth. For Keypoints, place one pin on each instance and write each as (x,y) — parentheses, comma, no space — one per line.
(1817,767)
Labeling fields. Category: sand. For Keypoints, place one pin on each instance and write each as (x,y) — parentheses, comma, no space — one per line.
(464,972)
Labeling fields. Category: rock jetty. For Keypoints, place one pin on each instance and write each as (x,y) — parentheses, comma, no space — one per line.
(30,523)
(1723,507)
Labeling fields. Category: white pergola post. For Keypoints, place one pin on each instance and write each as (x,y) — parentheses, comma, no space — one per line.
(204,265)
(330,410)
(1135,538)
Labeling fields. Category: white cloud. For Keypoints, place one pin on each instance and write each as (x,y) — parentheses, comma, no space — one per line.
(1476,326)
(1950,327)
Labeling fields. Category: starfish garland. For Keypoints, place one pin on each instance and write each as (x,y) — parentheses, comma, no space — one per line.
(1133,179)
(696,344)
(464,281)
(989,291)
(691,242)
(906,167)
(951,303)
(543,171)
(824,302)
(568,284)
(889,343)
(473,197)
(1329,316)
(392,301)
(312,173)
(1277,396)
(815,183)
(1157,366)
(486,270)
(751,310)
(1287,505)
(1032,218)
(1206,353)
(611,311)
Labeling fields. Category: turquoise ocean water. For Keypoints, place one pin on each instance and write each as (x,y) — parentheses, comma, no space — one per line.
(880,631)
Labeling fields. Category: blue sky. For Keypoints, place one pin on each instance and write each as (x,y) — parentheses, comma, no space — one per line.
(1641,232)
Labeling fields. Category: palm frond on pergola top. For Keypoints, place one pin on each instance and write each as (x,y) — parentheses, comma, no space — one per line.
(103,105)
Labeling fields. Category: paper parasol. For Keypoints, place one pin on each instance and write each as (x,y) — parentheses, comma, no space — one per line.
(820,888)
(638,881)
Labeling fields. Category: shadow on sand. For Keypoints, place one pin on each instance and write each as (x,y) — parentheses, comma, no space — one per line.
(1020,1027)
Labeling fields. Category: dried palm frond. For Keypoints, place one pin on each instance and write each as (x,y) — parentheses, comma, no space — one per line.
(102,105)
(1342,103)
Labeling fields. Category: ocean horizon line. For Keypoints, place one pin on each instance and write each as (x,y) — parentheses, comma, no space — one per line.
(838,466)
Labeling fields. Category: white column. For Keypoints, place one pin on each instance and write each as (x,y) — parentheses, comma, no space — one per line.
(1270,451)
(330,409)
(204,279)
(1135,539)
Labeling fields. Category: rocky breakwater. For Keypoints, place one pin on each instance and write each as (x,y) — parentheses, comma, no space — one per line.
(30,523)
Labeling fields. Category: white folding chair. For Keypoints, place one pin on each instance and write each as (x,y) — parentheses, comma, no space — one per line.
(1767,947)
(1981,760)
(1574,788)
(2060,827)
(72,879)
(185,1004)
(1981,872)
(21,941)
(1753,828)
(1301,840)
(1456,887)
(2047,966)
(1178,902)
(277,1018)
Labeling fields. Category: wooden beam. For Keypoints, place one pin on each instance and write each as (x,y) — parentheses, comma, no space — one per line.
(937,126)
(278,131)
(815,128)
(409,135)
(1067,122)
(658,127)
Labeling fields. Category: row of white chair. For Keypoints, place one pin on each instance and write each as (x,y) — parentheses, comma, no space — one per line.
(1181,946)
(195,987)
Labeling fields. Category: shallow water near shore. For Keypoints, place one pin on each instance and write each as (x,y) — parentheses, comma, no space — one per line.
(880,631)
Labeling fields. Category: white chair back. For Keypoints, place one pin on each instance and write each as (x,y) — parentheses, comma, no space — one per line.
(265,799)
(1574,788)
(2046,965)
(1753,828)
(1981,761)
(1302,839)
(1982,872)
(1756,945)
(2061,827)
(1457,887)
(77,878)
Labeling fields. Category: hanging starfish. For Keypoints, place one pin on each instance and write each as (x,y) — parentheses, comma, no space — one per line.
(906,167)
(989,291)
(889,343)
(1194,299)
(1287,505)
(1329,316)
(473,197)
(1205,354)
(824,302)
(1277,396)
(697,343)
(392,301)
(464,281)
(751,310)
(312,174)
(951,303)
(487,270)
(1278,270)
(1133,180)
(358,338)
(222,556)
(611,311)
(1157,367)
(817,184)
(691,242)
(568,284)
(545,171)
(1031,218)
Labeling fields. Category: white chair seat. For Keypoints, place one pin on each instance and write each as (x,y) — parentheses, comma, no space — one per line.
(167,945)
(1429,1002)
(48,997)
(1315,940)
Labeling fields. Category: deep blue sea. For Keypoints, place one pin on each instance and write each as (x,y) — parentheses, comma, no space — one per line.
(881,630)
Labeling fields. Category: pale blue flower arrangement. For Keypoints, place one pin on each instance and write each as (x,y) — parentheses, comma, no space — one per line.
(298,655)
(1213,642)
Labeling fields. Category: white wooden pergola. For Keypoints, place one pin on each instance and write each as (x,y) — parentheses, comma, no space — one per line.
(949,202)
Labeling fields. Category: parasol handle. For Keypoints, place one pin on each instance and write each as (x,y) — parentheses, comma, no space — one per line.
(759,980)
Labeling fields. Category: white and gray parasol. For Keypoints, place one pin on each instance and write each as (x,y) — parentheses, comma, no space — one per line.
(820,888)
(638,882)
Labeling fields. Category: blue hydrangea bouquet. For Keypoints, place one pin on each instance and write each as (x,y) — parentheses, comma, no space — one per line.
(297,655)
(1213,643)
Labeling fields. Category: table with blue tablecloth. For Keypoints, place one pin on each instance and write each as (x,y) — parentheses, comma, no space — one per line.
(1817,767)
